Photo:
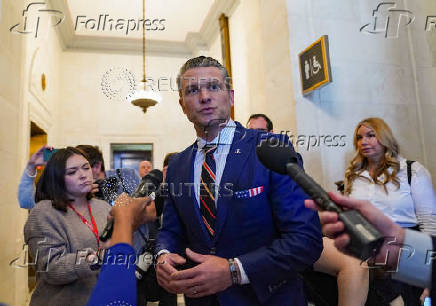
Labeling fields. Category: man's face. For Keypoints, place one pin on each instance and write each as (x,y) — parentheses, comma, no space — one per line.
(258,123)
(204,96)
(97,173)
(144,168)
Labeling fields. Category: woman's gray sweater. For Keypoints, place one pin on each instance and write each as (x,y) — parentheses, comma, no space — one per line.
(59,242)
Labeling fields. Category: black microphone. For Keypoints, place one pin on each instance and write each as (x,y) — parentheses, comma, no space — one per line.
(147,187)
(281,158)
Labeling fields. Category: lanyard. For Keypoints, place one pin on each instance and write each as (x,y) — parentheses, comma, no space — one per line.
(93,228)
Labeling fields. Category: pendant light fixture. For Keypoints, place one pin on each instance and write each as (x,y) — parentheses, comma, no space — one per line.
(144,97)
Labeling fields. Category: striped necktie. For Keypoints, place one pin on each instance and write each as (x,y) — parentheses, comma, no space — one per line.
(207,189)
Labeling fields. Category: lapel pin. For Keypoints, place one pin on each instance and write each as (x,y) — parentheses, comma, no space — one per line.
(238,151)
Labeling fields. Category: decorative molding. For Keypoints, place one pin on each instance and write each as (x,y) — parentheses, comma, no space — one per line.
(40,117)
(210,28)
(194,41)
(106,140)
(154,47)
(34,87)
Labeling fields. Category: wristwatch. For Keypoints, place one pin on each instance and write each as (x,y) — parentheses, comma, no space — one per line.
(233,271)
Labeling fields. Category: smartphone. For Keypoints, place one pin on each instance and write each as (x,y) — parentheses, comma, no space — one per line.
(48,153)
(427,301)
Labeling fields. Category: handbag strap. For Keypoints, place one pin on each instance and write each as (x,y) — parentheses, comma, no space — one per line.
(409,170)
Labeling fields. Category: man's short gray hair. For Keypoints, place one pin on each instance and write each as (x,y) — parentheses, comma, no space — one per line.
(203,61)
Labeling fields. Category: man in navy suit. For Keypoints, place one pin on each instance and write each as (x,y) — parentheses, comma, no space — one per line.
(233,232)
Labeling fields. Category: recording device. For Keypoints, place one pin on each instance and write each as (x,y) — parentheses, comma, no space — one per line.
(147,187)
(281,158)
(107,189)
(47,153)
(149,183)
(145,260)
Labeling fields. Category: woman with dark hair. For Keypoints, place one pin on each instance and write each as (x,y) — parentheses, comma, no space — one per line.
(62,230)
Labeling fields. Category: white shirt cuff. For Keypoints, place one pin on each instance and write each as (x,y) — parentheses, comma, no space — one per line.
(244,277)
(416,256)
(164,251)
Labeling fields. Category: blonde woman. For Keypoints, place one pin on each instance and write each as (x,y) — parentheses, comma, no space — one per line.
(403,192)
(378,173)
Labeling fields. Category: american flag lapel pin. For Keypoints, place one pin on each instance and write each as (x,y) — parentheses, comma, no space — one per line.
(249,193)
(255,191)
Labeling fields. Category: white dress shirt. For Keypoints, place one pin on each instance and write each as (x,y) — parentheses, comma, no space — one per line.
(407,205)
(223,142)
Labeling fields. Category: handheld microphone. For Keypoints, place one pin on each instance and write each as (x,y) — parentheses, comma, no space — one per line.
(147,187)
(281,158)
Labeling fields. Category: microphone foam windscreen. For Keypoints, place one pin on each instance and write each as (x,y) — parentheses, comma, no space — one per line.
(275,154)
(156,176)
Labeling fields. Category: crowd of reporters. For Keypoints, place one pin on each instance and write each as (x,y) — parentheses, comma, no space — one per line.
(69,253)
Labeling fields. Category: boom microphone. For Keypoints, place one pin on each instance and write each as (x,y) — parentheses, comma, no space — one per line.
(281,158)
(147,187)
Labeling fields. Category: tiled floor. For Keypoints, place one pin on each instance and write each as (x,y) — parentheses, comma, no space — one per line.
(180,301)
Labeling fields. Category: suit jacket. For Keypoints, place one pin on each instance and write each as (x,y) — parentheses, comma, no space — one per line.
(271,233)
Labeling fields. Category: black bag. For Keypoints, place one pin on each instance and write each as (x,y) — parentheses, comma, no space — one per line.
(148,288)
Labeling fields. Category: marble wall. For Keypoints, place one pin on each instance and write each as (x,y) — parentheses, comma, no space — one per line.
(13,281)
(423,53)
(259,39)
(90,117)
(372,76)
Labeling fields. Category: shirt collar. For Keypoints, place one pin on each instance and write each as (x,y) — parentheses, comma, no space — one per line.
(224,137)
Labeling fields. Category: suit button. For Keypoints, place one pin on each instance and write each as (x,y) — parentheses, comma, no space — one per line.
(212,251)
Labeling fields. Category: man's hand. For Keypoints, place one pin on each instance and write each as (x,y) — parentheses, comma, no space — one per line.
(165,267)
(333,228)
(95,188)
(37,159)
(425,293)
(212,275)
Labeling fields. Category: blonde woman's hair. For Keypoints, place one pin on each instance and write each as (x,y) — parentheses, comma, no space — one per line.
(359,163)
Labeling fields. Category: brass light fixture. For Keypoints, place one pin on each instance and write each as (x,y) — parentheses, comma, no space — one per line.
(144,98)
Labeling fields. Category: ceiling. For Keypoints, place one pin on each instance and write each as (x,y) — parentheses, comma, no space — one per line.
(180,17)
(181,27)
